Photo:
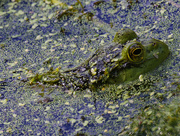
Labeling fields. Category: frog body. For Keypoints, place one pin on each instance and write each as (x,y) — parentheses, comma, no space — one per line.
(117,63)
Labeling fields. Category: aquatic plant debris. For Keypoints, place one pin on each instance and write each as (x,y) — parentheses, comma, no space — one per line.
(116,106)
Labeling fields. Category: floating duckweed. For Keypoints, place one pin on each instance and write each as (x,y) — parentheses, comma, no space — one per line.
(49,40)
(126,96)
(41,70)
(34,16)
(16,75)
(152,93)
(11,11)
(39,37)
(33,4)
(112,107)
(13,63)
(112,111)
(120,86)
(65,24)
(119,118)
(43,18)
(9,130)
(169,96)
(4,101)
(102,42)
(47,122)
(124,103)
(20,12)
(7,25)
(90,105)
(2,13)
(93,39)
(170,40)
(114,60)
(162,11)
(85,123)
(77,130)
(127,116)
(96,35)
(141,78)
(82,49)
(66,103)
(149,112)
(81,111)
(124,4)
(15,36)
(113,11)
(50,16)
(87,95)
(73,51)
(170,36)
(73,45)
(99,119)
(37,119)
(131,101)
(34,26)
(72,120)
(21,104)
(94,71)
(47,108)
(104,35)
(33,21)
(6,123)
(21,20)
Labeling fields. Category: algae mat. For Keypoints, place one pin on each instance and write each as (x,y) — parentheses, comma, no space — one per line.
(32,40)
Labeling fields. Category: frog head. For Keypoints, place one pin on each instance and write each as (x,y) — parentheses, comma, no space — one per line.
(139,57)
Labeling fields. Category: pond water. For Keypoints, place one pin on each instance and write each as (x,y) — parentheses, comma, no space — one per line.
(32,40)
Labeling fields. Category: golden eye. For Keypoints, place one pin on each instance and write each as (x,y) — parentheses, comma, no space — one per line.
(136,53)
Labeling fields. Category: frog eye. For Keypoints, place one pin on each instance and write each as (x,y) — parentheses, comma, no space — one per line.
(136,53)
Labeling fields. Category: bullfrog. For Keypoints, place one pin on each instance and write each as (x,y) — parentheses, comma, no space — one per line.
(124,60)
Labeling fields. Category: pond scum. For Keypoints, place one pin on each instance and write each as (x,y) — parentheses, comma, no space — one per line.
(154,119)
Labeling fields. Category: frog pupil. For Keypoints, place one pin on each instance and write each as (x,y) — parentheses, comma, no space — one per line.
(137,52)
